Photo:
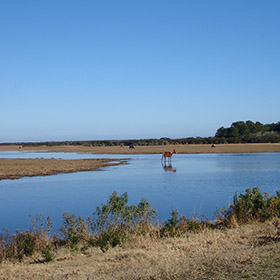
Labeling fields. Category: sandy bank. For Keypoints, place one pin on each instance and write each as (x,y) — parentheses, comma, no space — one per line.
(17,168)
(184,149)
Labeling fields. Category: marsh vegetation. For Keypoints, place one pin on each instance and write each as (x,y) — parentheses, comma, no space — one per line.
(123,232)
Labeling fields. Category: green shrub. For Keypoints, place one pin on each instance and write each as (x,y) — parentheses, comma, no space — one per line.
(171,227)
(19,245)
(74,229)
(28,244)
(192,225)
(113,222)
(47,254)
(176,226)
(254,206)
(110,238)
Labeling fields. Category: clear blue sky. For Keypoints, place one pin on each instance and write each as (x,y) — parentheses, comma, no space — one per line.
(81,70)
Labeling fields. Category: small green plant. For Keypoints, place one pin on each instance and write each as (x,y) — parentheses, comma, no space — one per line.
(20,245)
(74,229)
(110,238)
(192,224)
(47,254)
(176,226)
(171,228)
(28,244)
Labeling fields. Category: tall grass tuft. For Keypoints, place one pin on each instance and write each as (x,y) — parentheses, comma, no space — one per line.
(18,245)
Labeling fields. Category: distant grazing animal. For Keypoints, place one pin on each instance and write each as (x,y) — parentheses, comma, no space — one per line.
(168,155)
(131,147)
(213,146)
(20,148)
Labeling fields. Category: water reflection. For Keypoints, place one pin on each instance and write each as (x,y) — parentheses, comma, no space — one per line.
(168,167)
(203,182)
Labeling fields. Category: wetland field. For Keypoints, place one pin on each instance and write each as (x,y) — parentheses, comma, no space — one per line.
(198,175)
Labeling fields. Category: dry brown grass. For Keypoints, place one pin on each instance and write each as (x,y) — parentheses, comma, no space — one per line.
(184,149)
(247,252)
(17,168)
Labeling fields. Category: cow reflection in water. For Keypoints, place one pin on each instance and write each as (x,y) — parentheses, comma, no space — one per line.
(168,167)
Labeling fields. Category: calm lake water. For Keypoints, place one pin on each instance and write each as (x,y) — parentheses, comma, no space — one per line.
(194,185)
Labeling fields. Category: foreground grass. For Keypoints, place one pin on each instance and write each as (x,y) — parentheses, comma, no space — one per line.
(123,242)
(246,252)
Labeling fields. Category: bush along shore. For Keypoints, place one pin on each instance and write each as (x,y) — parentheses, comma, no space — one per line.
(116,223)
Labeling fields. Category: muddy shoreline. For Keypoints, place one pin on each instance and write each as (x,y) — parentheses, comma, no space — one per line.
(18,168)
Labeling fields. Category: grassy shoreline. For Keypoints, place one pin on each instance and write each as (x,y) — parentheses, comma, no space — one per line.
(246,252)
(184,149)
(243,244)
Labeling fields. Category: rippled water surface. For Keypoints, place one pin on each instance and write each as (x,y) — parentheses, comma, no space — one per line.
(193,184)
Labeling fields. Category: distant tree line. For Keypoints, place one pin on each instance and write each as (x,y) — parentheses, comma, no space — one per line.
(238,132)
(250,132)
(135,142)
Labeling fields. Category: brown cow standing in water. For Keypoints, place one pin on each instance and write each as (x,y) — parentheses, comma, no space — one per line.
(168,155)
